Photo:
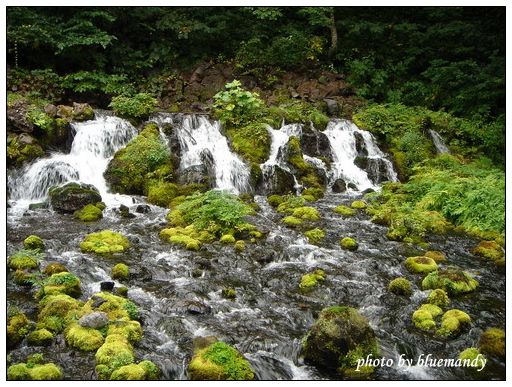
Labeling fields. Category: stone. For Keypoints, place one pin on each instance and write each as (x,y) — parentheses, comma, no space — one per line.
(332,107)
(196,307)
(339,186)
(107,286)
(71,197)
(94,320)
(143,209)
(17,117)
(124,211)
(82,111)
(315,143)
(51,110)
(278,181)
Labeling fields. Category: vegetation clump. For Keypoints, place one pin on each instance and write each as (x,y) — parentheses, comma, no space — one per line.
(344,210)
(33,242)
(18,326)
(490,250)
(30,371)
(89,213)
(420,264)
(25,259)
(492,342)
(60,283)
(83,338)
(358,204)
(315,235)
(438,297)
(104,243)
(139,106)
(348,243)
(452,280)
(452,323)
(400,286)
(477,360)
(437,256)
(40,337)
(309,281)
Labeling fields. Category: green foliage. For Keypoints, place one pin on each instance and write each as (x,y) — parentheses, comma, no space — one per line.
(120,271)
(141,105)
(311,280)
(214,209)
(25,259)
(97,81)
(348,243)
(236,106)
(293,111)
(105,242)
(251,141)
(33,242)
(315,235)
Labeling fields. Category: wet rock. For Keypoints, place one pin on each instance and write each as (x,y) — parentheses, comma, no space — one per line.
(367,191)
(51,110)
(377,170)
(196,307)
(94,320)
(124,211)
(143,209)
(38,206)
(315,143)
(140,274)
(22,148)
(82,112)
(107,286)
(339,186)
(65,112)
(352,186)
(203,173)
(332,107)
(97,301)
(73,196)
(17,117)
(360,144)
(278,181)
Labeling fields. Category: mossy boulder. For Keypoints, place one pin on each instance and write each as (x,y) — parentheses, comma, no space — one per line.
(454,281)
(309,281)
(490,250)
(315,235)
(40,337)
(54,268)
(115,352)
(187,237)
(477,360)
(437,256)
(438,297)
(24,260)
(239,246)
(308,175)
(22,371)
(292,221)
(61,283)
(71,197)
(131,330)
(338,337)
(104,243)
(420,264)
(492,342)
(116,307)
(452,322)
(133,168)
(349,244)
(120,271)
(33,242)
(227,239)
(151,369)
(358,204)
(82,338)
(316,193)
(18,326)
(400,286)
(219,361)
(275,200)
(129,372)
(423,319)
(22,148)
(306,213)
(344,210)
(54,310)
(89,213)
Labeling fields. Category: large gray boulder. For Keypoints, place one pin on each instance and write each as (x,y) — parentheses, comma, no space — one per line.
(71,197)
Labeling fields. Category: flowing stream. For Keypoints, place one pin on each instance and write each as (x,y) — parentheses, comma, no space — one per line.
(179,292)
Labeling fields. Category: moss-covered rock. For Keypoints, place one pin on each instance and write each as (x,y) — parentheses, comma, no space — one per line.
(120,271)
(307,173)
(114,353)
(420,264)
(88,213)
(116,307)
(358,204)
(292,221)
(473,355)
(22,371)
(54,310)
(129,372)
(33,242)
(61,283)
(316,193)
(128,171)
(344,210)
(131,330)
(18,326)
(490,250)
(452,280)
(24,259)
(229,293)
(306,213)
(18,372)
(151,369)
(104,243)
(187,237)
(422,319)
(219,361)
(452,323)
(349,244)
(40,337)
(492,342)
(338,337)
(24,277)
(437,256)
(275,200)
(401,286)
(82,338)
(71,197)
(227,239)
(54,268)
(239,246)
(438,297)
(21,149)
(315,235)
(310,280)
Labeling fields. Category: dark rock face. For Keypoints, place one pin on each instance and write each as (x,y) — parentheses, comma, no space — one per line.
(17,117)
(203,173)
(143,209)
(375,168)
(339,186)
(73,196)
(332,107)
(278,181)
(107,286)
(360,145)
(315,144)
(125,212)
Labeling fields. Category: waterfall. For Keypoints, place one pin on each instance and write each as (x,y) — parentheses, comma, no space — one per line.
(345,138)
(438,142)
(201,139)
(279,139)
(94,144)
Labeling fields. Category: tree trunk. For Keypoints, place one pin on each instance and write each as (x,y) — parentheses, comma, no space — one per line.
(334,35)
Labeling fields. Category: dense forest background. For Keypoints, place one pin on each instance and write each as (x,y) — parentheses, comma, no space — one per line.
(438,57)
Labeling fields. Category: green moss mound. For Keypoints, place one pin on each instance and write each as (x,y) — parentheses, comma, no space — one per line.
(344,210)
(129,372)
(473,355)
(358,204)
(452,322)
(400,286)
(22,371)
(114,353)
(18,326)
(89,213)
(33,242)
(104,243)
(315,235)
(151,369)
(306,213)
(25,259)
(227,239)
(54,268)
(309,281)
(84,339)
(116,307)
(188,237)
(349,244)
(120,271)
(219,361)
(438,297)
(437,256)
(492,342)
(490,250)
(452,280)
(54,310)
(420,264)
(130,170)
(61,283)
(40,337)
(339,336)
(239,246)
(422,319)
(292,221)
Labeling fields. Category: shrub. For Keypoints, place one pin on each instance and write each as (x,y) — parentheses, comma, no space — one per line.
(235,106)
(140,105)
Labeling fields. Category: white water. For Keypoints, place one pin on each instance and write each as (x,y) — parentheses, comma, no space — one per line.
(279,139)
(94,144)
(438,142)
(341,135)
(198,135)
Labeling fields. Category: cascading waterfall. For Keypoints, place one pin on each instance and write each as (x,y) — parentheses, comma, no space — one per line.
(94,144)
(279,138)
(438,142)
(342,137)
(200,138)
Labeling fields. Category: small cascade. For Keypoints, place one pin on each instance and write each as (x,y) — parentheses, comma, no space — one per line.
(276,162)
(356,157)
(202,145)
(94,144)
(438,142)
